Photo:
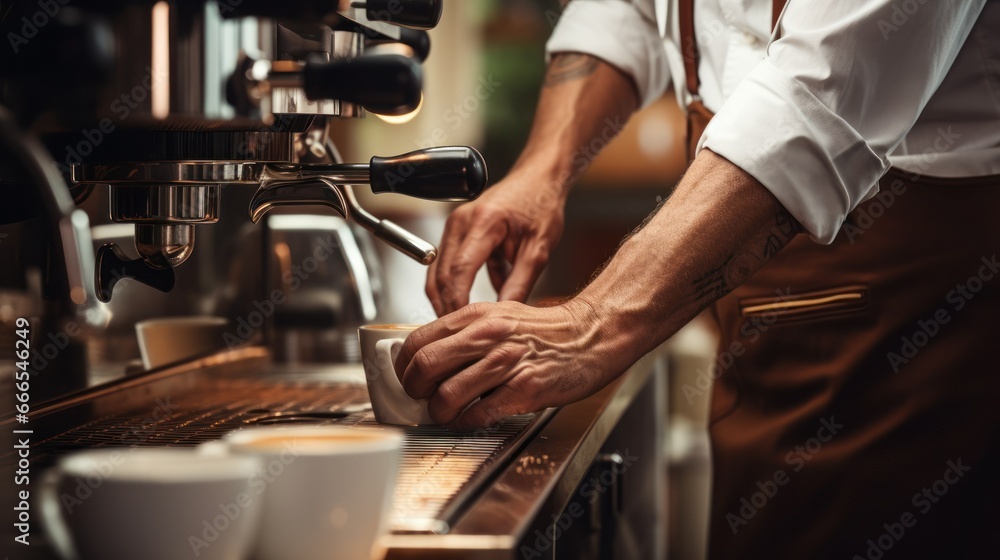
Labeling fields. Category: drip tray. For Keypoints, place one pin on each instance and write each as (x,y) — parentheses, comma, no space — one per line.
(440,470)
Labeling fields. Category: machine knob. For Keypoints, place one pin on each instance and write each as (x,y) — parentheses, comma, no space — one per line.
(450,173)
(383,84)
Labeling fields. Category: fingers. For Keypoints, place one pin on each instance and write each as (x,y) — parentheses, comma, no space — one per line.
(528,266)
(498,268)
(431,332)
(455,393)
(436,352)
(454,232)
(458,267)
(500,404)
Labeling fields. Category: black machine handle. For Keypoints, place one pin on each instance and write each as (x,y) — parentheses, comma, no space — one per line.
(418,14)
(383,84)
(450,173)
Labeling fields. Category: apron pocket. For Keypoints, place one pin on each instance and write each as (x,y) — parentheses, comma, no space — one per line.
(807,306)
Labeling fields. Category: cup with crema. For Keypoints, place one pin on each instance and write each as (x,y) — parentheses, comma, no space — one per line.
(380,345)
(327,490)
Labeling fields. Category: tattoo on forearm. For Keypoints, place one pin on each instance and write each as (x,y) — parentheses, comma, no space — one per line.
(785,228)
(737,268)
(569,67)
(712,285)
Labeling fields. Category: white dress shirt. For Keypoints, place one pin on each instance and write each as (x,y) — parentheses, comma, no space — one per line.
(848,89)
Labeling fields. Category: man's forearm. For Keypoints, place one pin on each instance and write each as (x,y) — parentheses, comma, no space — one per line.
(718,228)
(583,101)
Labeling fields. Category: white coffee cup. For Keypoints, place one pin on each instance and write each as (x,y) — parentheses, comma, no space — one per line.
(154,504)
(380,346)
(173,339)
(327,490)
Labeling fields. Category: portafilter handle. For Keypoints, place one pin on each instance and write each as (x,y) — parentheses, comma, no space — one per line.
(453,173)
(446,173)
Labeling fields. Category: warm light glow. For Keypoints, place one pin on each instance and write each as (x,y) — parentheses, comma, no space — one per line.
(160,67)
(403,119)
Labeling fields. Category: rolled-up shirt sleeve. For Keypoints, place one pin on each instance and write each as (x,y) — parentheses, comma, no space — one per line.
(617,32)
(816,120)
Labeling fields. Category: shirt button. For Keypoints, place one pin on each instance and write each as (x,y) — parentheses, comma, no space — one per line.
(750,38)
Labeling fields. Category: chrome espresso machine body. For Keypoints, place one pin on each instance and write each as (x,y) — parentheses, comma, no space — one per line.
(166,121)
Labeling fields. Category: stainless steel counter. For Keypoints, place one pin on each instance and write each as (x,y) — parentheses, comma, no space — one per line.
(517,515)
(581,481)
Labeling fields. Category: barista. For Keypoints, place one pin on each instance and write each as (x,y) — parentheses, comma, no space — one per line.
(780,216)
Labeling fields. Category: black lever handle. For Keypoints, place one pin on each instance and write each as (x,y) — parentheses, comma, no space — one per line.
(113,265)
(384,84)
(418,41)
(418,14)
(449,173)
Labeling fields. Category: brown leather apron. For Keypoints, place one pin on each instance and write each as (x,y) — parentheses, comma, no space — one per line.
(856,410)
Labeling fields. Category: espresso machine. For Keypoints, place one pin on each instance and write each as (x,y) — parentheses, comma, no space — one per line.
(173,158)
(145,139)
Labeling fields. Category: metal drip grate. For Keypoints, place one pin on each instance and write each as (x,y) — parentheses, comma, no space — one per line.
(440,470)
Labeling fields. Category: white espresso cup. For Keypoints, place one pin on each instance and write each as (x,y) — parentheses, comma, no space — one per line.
(154,504)
(327,490)
(380,346)
(173,339)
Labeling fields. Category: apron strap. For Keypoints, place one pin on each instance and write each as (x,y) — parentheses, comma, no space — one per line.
(689,46)
(689,41)
(698,116)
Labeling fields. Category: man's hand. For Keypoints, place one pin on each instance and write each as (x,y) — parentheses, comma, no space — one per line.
(514,225)
(717,229)
(519,359)
(512,228)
